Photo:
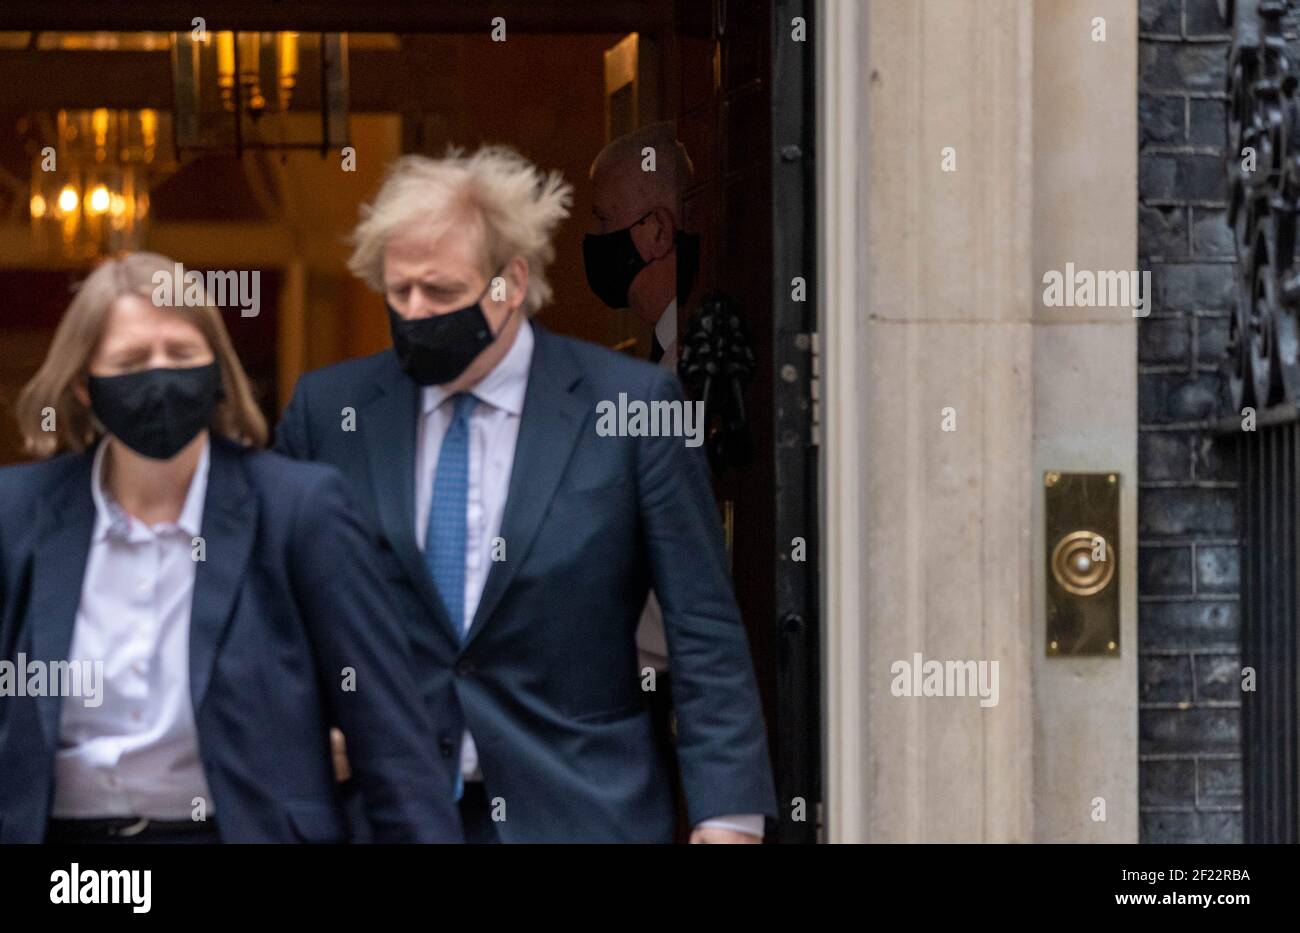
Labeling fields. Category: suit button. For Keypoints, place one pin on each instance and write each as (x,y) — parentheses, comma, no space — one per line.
(464,666)
(447,747)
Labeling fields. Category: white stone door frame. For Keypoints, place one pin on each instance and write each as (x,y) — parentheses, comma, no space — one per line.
(838,174)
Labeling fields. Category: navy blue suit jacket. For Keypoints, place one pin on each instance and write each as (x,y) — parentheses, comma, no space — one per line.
(547,677)
(288,596)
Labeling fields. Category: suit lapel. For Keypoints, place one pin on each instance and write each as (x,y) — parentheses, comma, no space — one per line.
(549,427)
(59,557)
(229,528)
(390,422)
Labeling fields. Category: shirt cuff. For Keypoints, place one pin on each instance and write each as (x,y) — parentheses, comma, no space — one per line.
(751,823)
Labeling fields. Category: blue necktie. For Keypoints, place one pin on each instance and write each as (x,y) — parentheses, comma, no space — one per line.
(444,543)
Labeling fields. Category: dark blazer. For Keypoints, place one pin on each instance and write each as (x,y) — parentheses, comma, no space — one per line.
(289,595)
(547,677)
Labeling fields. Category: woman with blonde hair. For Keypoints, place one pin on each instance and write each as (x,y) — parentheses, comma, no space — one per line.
(183,616)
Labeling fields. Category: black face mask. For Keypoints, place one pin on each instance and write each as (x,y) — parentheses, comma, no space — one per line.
(435,350)
(612,262)
(158,411)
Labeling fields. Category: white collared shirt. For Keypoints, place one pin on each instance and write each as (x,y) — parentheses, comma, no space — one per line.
(493,432)
(137,754)
(666,334)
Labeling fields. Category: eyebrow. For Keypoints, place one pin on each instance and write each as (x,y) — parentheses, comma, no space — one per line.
(446,285)
(186,342)
(126,353)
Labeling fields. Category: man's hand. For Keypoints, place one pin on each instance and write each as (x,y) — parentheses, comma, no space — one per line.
(714,835)
(339,751)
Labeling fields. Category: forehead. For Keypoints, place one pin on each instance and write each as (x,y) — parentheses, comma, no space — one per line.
(132,316)
(607,181)
(454,252)
(617,189)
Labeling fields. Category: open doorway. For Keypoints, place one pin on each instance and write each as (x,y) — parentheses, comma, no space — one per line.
(557,84)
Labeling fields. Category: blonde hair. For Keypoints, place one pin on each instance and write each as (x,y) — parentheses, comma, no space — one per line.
(496,193)
(237,416)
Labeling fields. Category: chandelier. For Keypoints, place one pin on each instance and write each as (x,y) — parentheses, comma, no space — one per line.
(90,191)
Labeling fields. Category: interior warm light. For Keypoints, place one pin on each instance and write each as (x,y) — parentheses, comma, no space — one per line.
(288,46)
(68,199)
(98,201)
(149,131)
(250,44)
(226,68)
(99,124)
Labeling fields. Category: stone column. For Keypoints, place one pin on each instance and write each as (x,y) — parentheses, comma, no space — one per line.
(963,157)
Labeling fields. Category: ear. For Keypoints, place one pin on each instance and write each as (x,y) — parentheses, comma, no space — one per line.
(516,275)
(661,231)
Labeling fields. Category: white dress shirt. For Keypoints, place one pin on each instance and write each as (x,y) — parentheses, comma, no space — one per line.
(136,755)
(493,433)
(666,333)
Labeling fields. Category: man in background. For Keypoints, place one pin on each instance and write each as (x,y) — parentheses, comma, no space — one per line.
(637,255)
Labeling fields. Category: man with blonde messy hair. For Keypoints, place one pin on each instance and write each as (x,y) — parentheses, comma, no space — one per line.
(520,542)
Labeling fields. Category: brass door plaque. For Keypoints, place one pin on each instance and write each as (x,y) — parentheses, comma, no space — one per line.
(1082,515)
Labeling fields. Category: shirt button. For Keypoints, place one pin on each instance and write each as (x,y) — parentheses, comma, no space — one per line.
(144,589)
(135,714)
(464,666)
(446,747)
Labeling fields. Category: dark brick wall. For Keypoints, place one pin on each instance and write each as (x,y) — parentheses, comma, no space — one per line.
(1188,666)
